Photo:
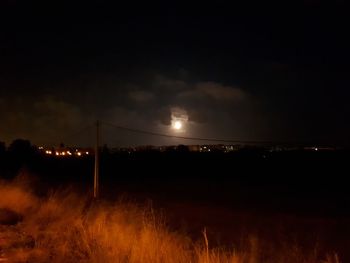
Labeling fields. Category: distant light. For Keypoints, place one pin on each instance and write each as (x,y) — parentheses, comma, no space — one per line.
(69,153)
(63,153)
(40,147)
(316,149)
(79,153)
(177,125)
(57,153)
(86,152)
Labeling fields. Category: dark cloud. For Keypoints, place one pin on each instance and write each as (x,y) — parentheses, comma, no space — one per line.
(198,116)
(206,108)
(48,120)
(164,116)
(219,92)
(141,96)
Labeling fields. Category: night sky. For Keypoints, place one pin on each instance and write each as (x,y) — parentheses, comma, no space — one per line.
(267,72)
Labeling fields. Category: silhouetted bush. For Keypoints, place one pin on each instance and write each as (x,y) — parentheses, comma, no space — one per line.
(22,149)
(2,148)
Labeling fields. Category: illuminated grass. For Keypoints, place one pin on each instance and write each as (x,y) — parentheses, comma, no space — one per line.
(67,228)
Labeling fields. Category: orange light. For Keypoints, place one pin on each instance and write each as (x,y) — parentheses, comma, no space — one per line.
(79,153)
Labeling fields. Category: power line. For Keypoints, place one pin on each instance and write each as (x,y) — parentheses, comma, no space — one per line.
(184,137)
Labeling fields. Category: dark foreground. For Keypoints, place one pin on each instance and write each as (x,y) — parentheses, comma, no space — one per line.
(295,196)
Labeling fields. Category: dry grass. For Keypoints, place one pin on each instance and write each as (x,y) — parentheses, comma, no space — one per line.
(67,228)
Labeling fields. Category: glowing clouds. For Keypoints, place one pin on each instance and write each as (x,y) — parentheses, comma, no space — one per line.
(179,118)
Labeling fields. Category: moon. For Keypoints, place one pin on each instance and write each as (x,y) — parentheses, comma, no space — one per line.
(177,125)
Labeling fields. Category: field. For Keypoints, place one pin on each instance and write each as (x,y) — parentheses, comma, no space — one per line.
(252,206)
(63,226)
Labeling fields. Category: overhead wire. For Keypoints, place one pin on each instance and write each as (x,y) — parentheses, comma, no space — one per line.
(185,137)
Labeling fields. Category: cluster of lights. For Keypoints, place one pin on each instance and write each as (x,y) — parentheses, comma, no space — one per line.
(66,153)
(204,149)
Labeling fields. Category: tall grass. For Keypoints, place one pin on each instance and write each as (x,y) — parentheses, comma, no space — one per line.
(67,227)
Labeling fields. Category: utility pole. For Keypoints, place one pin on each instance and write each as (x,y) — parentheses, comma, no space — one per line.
(96,174)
